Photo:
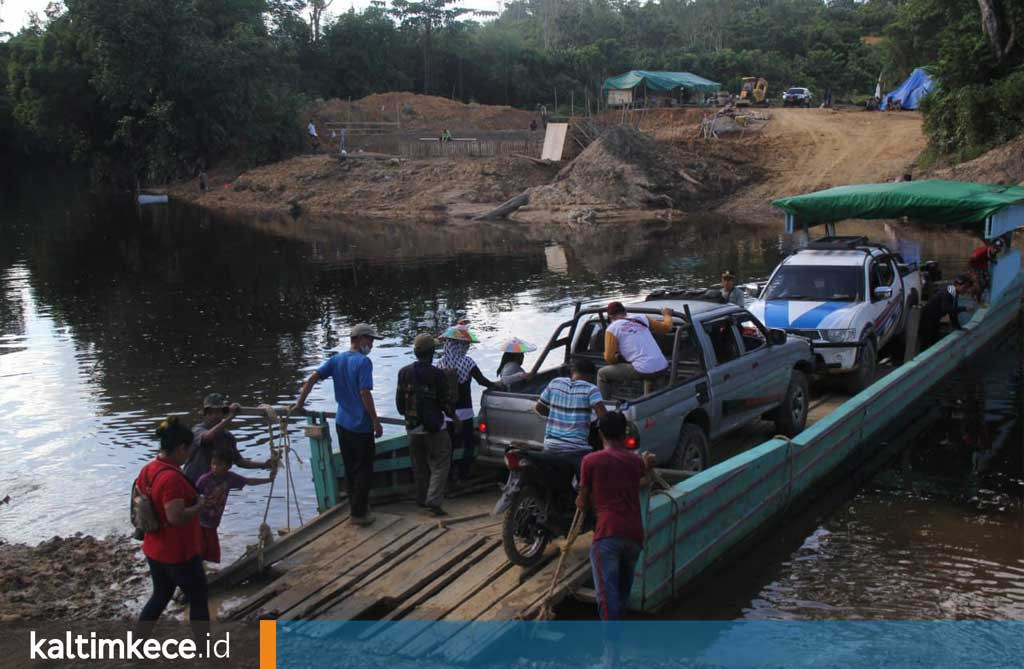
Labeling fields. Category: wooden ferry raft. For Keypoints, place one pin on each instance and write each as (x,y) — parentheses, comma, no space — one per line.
(410,567)
(407,566)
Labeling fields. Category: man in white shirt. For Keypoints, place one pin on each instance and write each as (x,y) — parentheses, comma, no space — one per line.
(630,348)
(314,141)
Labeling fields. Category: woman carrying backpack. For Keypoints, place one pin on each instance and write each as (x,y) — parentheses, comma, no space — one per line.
(166,506)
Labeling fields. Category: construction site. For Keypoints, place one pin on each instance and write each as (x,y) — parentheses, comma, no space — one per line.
(619,165)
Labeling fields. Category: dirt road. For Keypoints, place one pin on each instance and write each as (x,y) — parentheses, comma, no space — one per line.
(804,150)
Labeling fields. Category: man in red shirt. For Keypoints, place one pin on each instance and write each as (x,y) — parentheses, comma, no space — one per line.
(610,481)
(979,263)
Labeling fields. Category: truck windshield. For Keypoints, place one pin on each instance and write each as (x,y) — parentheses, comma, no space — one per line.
(817,283)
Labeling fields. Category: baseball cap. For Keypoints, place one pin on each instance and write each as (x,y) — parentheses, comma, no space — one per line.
(727,275)
(214,401)
(424,342)
(616,308)
(364,330)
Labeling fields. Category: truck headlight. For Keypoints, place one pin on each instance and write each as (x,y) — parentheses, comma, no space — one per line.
(839,336)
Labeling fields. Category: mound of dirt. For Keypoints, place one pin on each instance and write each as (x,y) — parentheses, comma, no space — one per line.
(373,186)
(422,112)
(1004,164)
(628,170)
(72,578)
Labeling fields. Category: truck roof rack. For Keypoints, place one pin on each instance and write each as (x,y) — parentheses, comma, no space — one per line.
(838,243)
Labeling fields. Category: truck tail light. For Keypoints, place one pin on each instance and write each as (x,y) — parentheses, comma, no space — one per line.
(512,461)
(483,427)
(631,442)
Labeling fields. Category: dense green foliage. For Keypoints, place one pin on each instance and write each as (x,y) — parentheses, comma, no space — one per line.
(153,86)
(980,99)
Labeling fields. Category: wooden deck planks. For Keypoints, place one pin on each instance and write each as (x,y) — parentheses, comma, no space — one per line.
(365,562)
(522,602)
(312,562)
(417,569)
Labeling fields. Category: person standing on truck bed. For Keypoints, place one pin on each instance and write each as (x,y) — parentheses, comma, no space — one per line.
(423,398)
(463,368)
(610,482)
(357,422)
(567,404)
(630,349)
(943,303)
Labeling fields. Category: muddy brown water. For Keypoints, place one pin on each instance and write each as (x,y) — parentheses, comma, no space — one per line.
(112,316)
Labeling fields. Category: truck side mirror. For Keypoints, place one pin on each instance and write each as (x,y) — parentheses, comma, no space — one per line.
(883,292)
(777,337)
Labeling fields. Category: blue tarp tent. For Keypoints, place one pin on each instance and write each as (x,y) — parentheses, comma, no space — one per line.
(910,92)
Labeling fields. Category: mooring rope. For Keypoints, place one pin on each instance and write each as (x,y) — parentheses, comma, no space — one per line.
(546,611)
(266,535)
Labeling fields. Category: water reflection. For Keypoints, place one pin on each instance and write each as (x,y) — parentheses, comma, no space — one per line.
(111,317)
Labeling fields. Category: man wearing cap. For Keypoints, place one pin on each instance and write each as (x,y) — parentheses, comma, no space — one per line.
(630,349)
(729,292)
(423,398)
(212,434)
(357,423)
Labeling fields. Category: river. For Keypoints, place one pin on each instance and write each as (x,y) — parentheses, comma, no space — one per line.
(113,317)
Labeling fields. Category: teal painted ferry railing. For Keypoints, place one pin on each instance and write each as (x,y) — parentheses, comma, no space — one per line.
(392,465)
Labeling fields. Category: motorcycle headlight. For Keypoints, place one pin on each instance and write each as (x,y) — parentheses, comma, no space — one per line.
(839,336)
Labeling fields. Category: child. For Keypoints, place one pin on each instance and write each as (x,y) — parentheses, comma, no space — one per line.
(215,485)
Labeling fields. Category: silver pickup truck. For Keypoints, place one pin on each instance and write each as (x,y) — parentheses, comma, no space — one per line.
(726,369)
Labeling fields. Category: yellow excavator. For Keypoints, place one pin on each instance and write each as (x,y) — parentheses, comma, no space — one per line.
(753,91)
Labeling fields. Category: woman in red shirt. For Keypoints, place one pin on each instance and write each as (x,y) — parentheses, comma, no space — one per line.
(174,551)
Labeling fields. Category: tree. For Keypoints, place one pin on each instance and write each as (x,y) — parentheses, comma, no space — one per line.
(426,17)
(995,22)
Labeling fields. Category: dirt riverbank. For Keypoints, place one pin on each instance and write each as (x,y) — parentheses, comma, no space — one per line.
(71,578)
(669,172)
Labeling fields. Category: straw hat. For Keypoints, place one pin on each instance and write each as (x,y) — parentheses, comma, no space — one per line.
(460,333)
(517,345)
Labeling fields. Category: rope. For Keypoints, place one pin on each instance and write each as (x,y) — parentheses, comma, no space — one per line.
(266,535)
(546,610)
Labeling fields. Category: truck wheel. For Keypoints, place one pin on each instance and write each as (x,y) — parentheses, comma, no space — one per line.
(791,417)
(523,535)
(691,452)
(864,374)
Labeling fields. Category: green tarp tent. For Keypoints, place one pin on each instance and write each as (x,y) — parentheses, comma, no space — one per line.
(950,202)
(660,81)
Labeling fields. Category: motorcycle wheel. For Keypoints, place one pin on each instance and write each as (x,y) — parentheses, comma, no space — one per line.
(523,534)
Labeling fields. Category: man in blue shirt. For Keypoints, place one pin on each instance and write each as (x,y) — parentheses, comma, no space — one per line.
(357,422)
(567,403)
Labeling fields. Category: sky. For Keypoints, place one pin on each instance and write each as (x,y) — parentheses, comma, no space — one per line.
(14,13)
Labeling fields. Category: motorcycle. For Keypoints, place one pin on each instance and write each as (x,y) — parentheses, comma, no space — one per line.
(539,501)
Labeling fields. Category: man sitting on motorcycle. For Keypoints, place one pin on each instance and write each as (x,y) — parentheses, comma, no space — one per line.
(567,403)
(610,482)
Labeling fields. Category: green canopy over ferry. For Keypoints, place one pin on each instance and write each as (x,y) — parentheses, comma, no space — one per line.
(946,202)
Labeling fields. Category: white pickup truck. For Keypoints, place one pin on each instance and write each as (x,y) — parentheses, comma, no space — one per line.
(849,297)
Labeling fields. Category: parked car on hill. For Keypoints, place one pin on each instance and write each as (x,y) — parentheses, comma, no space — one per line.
(797,96)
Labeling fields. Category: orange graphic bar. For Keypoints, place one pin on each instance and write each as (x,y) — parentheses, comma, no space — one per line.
(268,644)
